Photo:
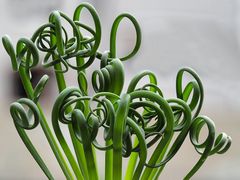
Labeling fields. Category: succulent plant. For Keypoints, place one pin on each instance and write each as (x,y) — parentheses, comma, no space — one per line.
(133,121)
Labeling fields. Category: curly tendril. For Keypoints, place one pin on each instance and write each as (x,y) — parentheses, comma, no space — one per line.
(23,121)
(140,124)
(109,78)
(26,54)
(210,146)
(195,86)
(113,36)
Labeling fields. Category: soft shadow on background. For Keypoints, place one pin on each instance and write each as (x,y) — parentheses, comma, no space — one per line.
(202,34)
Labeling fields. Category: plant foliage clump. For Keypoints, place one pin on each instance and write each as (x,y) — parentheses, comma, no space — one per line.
(132,121)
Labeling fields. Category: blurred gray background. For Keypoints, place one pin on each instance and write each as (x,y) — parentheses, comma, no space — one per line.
(202,34)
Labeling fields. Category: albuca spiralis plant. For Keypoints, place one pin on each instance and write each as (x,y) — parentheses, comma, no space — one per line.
(133,121)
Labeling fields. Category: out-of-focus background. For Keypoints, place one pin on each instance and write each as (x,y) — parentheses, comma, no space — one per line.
(202,34)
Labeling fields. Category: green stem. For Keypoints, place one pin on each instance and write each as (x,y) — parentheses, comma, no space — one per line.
(81,130)
(108,162)
(119,125)
(80,62)
(34,152)
(29,91)
(157,171)
(61,86)
(132,163)
(156,157)
(76,144)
